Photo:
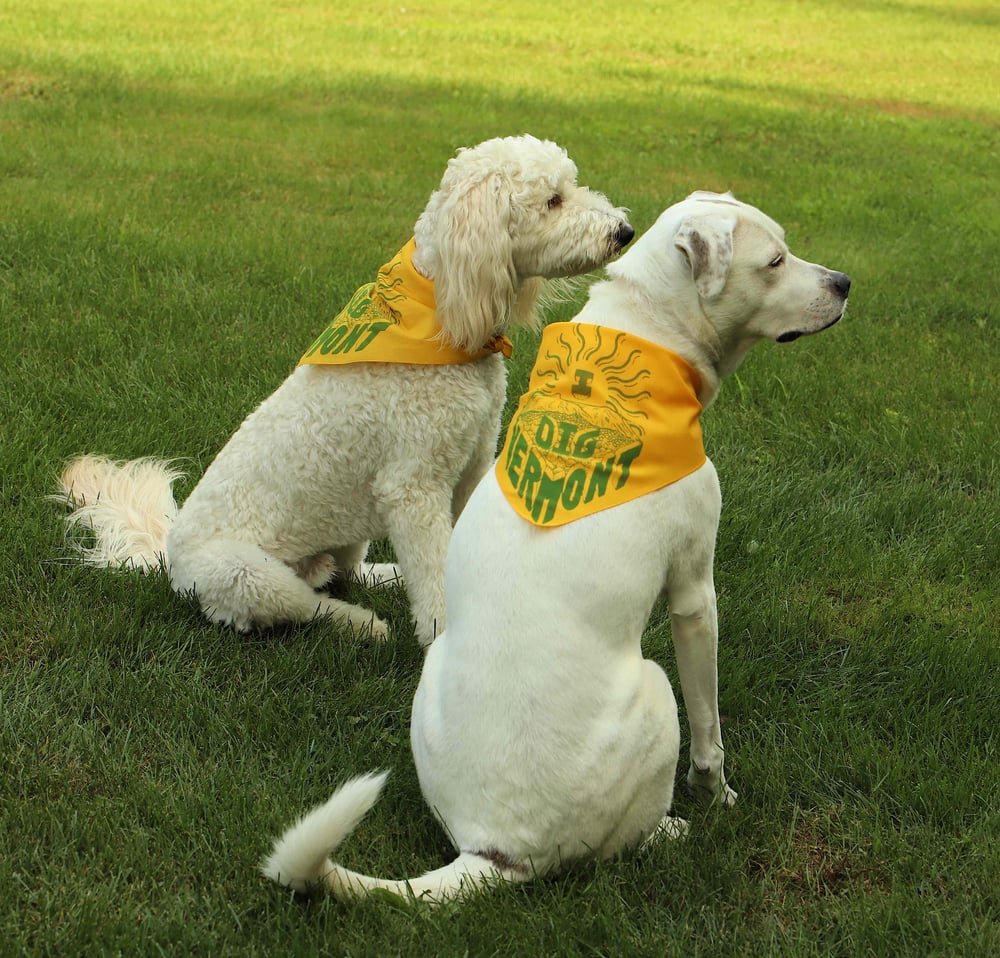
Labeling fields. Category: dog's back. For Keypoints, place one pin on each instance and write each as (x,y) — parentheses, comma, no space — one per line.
(567,751)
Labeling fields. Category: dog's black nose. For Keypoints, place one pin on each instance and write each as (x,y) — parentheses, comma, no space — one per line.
(623,236)
(841,284)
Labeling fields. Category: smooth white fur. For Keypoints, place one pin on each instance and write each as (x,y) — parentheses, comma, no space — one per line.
(540,733)
(340,455)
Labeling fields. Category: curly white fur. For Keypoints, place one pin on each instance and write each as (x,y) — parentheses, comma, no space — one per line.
(340,455)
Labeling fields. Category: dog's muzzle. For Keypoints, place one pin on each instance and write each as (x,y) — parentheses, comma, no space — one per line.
(840,284)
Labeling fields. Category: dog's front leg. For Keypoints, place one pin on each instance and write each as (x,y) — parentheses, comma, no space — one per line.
(696,641)
(477,467)
(419,524)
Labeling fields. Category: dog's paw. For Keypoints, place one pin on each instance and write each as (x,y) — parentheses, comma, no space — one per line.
(427,628)
(378,629)
(378,573)
(728,797)
(361,622)
(708,786)
(669,828)
(372,628)
(672,828)
(317,570)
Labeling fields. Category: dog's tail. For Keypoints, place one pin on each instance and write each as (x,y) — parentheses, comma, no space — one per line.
(300,858)
(129,507)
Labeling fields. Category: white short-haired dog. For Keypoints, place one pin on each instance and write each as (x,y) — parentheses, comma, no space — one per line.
(540,733)
(386,425)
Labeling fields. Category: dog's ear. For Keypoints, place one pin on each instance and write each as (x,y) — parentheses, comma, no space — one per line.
(707,242)
(475,283)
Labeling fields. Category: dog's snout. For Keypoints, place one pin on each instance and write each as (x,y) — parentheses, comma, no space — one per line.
(623,236)
(840,283)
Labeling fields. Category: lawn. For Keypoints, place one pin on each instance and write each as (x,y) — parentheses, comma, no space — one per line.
(187,192)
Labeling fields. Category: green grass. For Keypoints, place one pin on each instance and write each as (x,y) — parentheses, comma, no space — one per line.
(187,191)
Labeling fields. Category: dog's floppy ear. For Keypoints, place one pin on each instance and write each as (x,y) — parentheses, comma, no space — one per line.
(475,283)
(707,242)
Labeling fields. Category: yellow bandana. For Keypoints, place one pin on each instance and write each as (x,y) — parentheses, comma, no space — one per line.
(393,320)
(607,417)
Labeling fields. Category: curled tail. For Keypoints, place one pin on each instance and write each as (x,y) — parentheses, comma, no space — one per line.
(300,858)
(129,507)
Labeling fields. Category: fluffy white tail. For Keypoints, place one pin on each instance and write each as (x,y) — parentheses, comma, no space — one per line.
(129,507)
(300,858)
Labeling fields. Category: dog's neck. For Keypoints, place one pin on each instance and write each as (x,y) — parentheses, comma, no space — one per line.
(698,344)
(607,417)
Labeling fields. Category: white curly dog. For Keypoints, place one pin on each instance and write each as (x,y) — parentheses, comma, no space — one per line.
(539,731)
(342,454)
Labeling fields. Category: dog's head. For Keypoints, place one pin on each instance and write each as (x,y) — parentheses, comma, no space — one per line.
(508,215)
(727,271)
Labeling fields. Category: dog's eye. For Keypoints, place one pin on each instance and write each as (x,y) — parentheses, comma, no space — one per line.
(777,261)
(554,202)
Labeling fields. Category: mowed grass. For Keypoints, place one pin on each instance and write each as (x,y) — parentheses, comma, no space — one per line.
(186,193)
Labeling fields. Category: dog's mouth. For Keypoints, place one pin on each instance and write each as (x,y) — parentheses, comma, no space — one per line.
(794,334)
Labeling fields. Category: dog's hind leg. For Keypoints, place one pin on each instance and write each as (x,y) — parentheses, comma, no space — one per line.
(239,584)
